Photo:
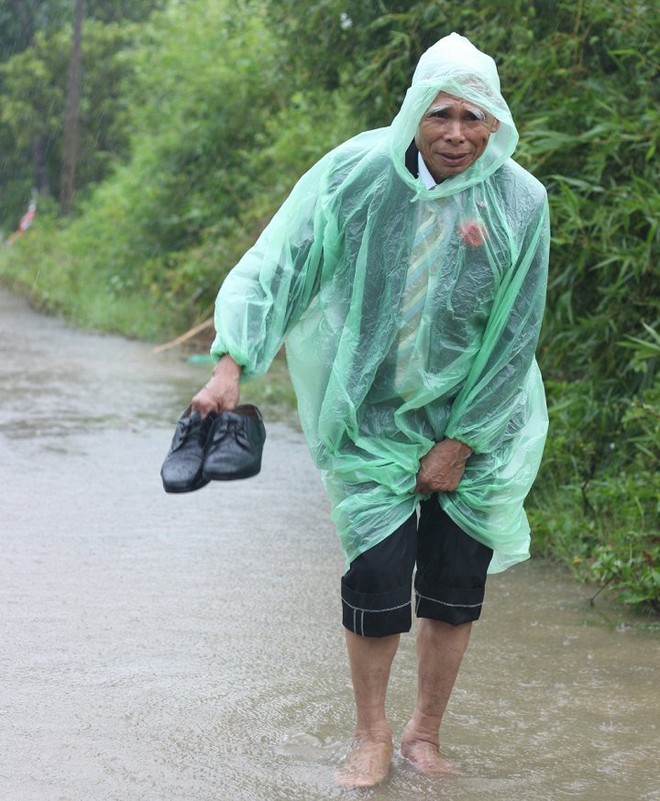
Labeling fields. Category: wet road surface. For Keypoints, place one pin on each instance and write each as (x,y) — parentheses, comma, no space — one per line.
(189,648)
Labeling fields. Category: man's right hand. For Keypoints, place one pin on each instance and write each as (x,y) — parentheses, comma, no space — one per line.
(221,392)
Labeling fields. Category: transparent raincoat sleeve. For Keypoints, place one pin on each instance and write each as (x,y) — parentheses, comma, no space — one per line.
(272,285)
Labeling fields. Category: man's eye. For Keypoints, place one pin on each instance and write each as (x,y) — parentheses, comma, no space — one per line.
(440,113)
(474,116)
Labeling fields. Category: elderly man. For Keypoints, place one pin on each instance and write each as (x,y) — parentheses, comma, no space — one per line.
(406,273)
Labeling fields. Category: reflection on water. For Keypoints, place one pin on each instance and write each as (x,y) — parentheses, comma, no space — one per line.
(188,648)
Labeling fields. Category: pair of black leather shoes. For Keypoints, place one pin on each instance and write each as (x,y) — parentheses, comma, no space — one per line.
(219,447)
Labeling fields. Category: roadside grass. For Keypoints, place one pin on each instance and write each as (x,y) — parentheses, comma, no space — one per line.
(42,267)
(609,542)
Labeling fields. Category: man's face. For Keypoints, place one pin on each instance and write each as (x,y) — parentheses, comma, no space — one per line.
(452,135)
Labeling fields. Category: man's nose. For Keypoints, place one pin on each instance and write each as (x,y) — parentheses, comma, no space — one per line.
(453,130)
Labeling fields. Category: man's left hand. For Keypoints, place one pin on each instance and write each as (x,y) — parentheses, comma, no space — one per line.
(442,468)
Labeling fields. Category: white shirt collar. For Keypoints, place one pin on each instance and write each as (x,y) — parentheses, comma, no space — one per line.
(424,174)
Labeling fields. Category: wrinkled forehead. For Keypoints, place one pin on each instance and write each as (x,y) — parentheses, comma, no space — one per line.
(445,100)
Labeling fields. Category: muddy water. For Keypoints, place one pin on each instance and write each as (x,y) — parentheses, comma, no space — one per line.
(188,648)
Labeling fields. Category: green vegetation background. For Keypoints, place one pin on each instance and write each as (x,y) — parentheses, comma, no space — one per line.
(197,118)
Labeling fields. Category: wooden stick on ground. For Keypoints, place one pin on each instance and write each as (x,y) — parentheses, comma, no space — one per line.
(185,337)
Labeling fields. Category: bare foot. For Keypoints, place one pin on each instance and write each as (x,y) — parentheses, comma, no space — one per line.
(367,764)
(423,753)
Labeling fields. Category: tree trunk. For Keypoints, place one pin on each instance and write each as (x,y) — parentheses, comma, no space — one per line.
(73,91)
(21,12)
(40,165)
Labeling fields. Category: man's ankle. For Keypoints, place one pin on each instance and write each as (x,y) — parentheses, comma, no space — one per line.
(375,733)
(421,731)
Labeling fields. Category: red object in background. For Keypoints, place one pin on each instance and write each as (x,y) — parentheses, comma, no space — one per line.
(28,217)
(26,221)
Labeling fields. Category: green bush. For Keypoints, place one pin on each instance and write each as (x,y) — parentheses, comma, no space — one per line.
(596,503)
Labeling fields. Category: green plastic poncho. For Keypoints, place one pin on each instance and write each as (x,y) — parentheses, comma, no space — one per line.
(327,277)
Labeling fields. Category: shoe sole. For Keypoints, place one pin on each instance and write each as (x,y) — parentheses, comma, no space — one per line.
(218,476)
(178,489)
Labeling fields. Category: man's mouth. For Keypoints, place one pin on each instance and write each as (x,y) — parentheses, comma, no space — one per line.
(454,157)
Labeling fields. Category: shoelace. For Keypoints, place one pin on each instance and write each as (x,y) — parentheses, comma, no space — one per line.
(182,433)
(231,426)
(185,429)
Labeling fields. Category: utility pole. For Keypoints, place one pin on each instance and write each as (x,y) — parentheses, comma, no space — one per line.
(71,122)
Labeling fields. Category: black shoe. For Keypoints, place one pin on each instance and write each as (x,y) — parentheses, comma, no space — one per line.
(235,445)
(182,470)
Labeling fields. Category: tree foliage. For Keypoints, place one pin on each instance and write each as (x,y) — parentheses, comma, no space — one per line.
(33,109)
(21,20)
(35,46)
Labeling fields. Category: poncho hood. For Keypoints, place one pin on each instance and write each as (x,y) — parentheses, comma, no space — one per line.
(454,65)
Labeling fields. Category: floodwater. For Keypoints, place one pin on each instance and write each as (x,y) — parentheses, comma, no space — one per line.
(188,648)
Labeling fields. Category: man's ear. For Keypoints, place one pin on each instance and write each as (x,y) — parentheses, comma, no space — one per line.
(494,125)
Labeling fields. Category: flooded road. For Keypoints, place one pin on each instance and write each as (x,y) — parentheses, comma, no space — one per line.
(150,645)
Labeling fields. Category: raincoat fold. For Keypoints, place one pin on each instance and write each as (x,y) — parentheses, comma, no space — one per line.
(328,277)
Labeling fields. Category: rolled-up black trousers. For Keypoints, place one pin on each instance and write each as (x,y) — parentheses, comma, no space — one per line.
(450,578)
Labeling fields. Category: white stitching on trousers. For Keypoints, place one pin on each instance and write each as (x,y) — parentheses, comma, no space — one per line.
(444,603)
(375,611)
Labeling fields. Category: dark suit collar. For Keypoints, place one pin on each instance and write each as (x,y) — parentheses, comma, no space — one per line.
(412,164)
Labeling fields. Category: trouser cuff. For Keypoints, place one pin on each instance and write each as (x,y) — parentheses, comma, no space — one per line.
(376,614)
(455,605)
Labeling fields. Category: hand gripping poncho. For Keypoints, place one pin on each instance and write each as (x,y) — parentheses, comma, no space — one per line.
(327,277)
